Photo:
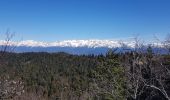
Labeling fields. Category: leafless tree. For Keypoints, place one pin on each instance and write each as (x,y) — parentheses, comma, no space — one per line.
(145,70)
(133,70)
(167,43)
(9,88)
(7,41)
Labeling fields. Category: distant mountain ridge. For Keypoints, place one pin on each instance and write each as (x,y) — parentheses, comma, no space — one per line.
(72,46)
(94,43)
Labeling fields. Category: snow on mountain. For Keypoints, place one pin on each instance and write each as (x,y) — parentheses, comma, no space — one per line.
(31,43)
(72,43)
(77,46)
(86,43)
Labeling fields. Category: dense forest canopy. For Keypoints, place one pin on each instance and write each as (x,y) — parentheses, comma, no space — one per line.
(61,76)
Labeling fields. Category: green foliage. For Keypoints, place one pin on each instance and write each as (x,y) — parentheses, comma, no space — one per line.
(51,75)
(109,77)
(61,76)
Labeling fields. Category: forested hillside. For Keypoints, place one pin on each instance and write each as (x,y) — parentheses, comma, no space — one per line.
(61,76)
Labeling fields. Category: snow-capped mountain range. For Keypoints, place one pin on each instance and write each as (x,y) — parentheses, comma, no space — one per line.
(72,43)
(93,46)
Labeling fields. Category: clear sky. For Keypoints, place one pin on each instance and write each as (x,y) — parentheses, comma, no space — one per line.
(52,20)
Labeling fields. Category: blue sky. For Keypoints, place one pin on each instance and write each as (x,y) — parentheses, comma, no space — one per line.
(52,20)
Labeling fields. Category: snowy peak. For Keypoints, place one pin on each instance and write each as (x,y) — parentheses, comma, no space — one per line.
(86,43)
(72,43)
(31,43)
